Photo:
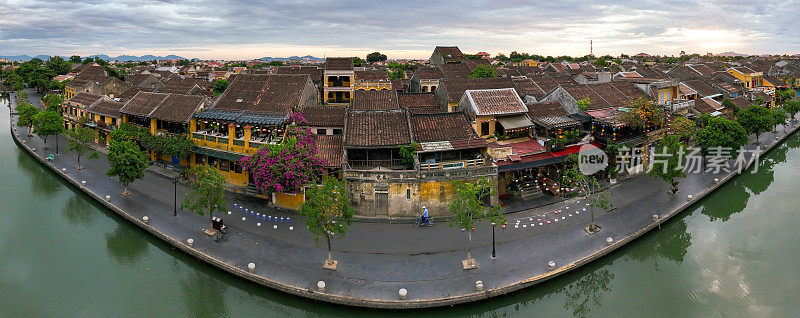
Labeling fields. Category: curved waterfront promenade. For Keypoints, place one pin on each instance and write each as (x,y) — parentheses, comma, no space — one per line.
(378,259)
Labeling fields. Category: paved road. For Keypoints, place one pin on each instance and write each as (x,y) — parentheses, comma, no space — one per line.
(376,259)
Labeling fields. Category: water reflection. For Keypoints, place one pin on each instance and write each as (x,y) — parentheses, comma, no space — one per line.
(204,296)
(125,245)
(672,243)
(587,292)
(42,181)
(77,210)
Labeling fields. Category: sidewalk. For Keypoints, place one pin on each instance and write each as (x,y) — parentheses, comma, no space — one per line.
(377,259)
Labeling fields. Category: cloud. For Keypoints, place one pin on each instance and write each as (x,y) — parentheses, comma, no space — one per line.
(242,29)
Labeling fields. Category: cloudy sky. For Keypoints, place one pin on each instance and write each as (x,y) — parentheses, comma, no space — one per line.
(239,29)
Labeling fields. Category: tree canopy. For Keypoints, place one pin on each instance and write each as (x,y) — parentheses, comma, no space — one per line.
(483,71)
(666,162)
(792,107)
(80,138)
(469,207)
(721,132)
(755,120)
(643,113)
(684,128)
(127,163)
(327,211)
(52,102)
(58,65)
(208,191)
(376,57)
(46,124)
(220,86)
(26,114)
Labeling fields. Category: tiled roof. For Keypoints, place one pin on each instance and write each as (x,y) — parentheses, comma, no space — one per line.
(472,64)
(106,107)
(508,72)
(450,52)
(143,104)
(740,102)
(377,129)
(701,69)
(263,94)
(178,108)
(526,86)
(401,84)
(459,70)
(744,70)
(614,94)
(314,72)
(185,85)
(324,116)
(89,74)
(707,105)
(495,101)
(455,87)
(375,100)
(137,79)
(419,102)
(339,63)
(702,88)
(444,127)
(428,73)
(329,149)
(371,76)
(536,110)
(84,99)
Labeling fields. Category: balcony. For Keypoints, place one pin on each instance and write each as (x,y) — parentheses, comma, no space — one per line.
(456,164)
(393,164)
(238,145)
(679,106)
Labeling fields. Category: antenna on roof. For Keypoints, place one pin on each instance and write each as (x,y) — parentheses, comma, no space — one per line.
(591,48)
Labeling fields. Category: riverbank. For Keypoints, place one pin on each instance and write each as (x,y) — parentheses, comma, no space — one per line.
(287,260)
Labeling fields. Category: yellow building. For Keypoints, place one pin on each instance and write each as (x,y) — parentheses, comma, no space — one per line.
(337,89)
(749,77)
(104,117)
(372,80)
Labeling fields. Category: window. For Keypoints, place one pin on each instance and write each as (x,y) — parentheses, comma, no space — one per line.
(337,131)
(408,194)
(484,128)
(212,161)
(236,167)
(223,165)
(321,131)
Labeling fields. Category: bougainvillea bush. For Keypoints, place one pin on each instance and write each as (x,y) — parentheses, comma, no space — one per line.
(285,167)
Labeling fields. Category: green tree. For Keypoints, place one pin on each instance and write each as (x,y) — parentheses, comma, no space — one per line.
(88,60)
(220,86)
(27,113)
(75,59)
(408,152)
(601,62)
(375,57)
(792,107)
(721,132)
(755,120)
(46,124)
(208,191)
(588,186)
(79,140)
(58,65)
(643,113)
(52,102)
(127,163)
(584,104)
(785,95)
(728,103)
(328,212)
(668,168)
(684,128)
(276,63)
(397,74)
(357,61)
(779,117)
(469,207)
(483,71)
(703,120)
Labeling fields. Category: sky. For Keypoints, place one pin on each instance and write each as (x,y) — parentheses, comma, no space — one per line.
(239,29)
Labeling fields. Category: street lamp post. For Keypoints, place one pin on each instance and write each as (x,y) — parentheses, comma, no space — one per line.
(175,203)
(494,254)
(56,143)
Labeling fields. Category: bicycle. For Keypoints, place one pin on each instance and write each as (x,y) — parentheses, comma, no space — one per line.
(418,222)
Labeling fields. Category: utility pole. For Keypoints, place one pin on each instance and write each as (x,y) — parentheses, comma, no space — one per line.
(591,48)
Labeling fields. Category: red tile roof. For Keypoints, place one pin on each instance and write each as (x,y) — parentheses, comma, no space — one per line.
(264,94)
(375,100)
(329,149)
(444,127)
(314,72)
(495,101)
(84,99)
(339,63)
(143,104)
(178,108)
(106,107)
(365,129)
(419,102)
(455,87)
(324,116)
(371,76)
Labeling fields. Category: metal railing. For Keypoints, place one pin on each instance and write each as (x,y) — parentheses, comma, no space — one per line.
(456,164)
(387,163)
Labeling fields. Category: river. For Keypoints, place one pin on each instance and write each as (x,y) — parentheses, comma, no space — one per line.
(734,253)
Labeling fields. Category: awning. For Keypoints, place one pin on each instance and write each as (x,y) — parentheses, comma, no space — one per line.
(217,153)
(515,122)
(558,121)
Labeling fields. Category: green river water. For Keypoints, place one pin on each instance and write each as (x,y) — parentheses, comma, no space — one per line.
(734,254)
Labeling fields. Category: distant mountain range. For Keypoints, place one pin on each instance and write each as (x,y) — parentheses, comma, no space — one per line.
(731,54)
(123,58)
(291,58)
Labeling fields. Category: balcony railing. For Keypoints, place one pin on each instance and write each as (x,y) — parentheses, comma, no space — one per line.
(368,164)
(452,164)
(679,106)
(221,143)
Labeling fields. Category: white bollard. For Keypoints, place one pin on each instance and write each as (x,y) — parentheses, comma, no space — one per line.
(479,285)
(689,197)
(145,219)
(108,197)
(551,264)
(251,267)
(655,217)
(83,182)
(609,240)
(190,241)
(321,286)
(64,169)
(716,180)
(402,293)
(291,228)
